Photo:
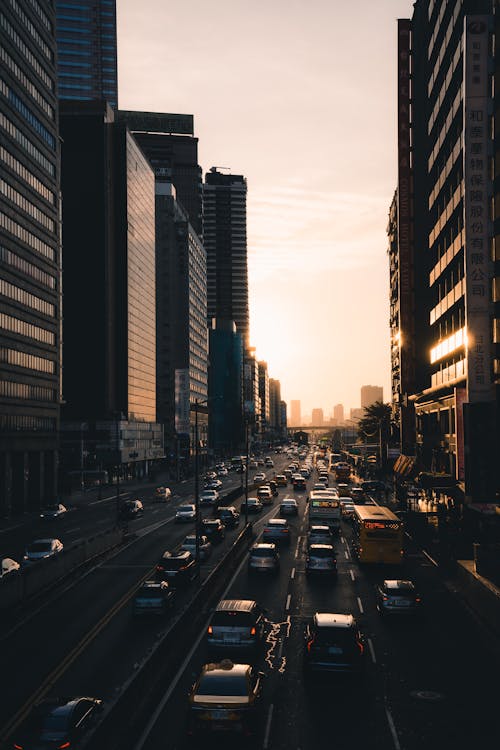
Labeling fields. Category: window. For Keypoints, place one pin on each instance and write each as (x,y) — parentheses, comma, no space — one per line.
(28,177)
(28,146)
(11,389)
(29,330)
(26,298)
(17,358)
(25,205)
(26,83)
(32,30)
(28,115)
(22,422)
(31,240)
(28,55)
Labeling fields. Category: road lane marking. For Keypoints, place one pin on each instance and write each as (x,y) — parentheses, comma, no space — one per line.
(292,575)
(360,605)
(70,531)
(352,574)
(430,558)
(342,540)
(288,600)
(268,726)
(372,650)
(392,727)
(346,554)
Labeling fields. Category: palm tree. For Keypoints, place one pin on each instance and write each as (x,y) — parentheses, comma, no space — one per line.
(376,423)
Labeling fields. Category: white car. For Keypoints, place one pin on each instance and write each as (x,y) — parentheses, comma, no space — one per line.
(162,494)
(209,497)
(185,513)
(42,549)
(260,477)
(8,566)
(205,546)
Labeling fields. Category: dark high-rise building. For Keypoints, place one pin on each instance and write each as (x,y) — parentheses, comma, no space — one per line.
(87,50)
(110,288)
(447,239)
(265,406)
(181,331)
(172,150)
(225,385)
(30,258)
(225,240)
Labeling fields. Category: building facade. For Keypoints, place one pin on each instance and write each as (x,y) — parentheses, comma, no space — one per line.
(225,387)
(338,413)
(30,255)
(225,240)
(370,394)
(87,50)
(110,276)
(295,414)
(265,404)
(317,417)
(454,135)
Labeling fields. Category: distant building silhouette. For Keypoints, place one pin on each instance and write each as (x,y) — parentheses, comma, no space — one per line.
(338,413)
(317,418)
(295,416)
(370,394)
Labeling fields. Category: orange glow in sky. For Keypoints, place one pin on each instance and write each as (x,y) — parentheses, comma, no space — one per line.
(300,97)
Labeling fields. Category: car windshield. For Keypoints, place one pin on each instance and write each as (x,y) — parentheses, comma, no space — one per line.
(39,547)
(53,724)
(185,508)
(223,684)
(262,552)
(321,552)
(174,563)
(232,619)
(342,637)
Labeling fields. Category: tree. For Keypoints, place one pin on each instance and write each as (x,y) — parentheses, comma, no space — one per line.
(376,424)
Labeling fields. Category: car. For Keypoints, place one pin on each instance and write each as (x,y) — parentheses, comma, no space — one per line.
(131,509)
(209,497)
(319,534)
(298,481)
(42,549)
(177,568)
(274,487)
(52,512)
(281,480)
(263,557)
(265,495)
(213,484)
(397,597)
(261,462)
(214,529)
(276,530)
(333,643)
(229,516)
(306,473)
(345,500)
(288,474)
(162,494)
(253,465)
(343,489)
(222,472)
(58,723)
(153,598)
(289,507)
(204,545)
(8,565)
(321,560)
(225,698)
(185,513)
(236,625)
(251,505)
(260,477)
(210,475)
(357,495)
(269,461)
(318,486)
(347,509)
(372,485)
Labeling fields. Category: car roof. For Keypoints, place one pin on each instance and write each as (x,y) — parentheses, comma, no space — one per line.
(180,553)
(319,527)
(226,667)
(399,584)
(314,547)
(328,620)
(277,522)
(232,605)
(263,545)
(290,500)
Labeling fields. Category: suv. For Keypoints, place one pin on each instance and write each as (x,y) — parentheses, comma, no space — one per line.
(153,598)
(66,719)
(321,559)
(333,643)
(263,558)
(265,495)
(236,625)
(177,567)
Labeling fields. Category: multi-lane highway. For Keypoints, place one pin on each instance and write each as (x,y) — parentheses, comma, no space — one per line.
(428,682)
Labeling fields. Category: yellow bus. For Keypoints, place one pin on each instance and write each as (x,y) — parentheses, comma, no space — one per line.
(378,535)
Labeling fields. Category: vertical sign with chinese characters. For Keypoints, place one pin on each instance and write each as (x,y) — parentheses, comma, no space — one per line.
(405,209)
(460,399)
(477,185)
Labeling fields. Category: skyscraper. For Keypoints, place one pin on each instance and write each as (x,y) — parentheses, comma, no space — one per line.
(87,50)
(370,394)
(30,267)
(317,417)
(225,240)
(338,413)
(295,416)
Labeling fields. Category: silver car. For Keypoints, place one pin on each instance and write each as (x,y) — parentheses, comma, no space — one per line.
(264,558)
(321,560)
(205,546)
(185,513)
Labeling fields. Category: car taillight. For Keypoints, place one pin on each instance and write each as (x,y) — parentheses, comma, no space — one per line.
(64,745)
(361,647)
(285,531)
(253,631)
(160,567)
(210,630)
(385,597)
(17,747)
(417,599)
(310,643)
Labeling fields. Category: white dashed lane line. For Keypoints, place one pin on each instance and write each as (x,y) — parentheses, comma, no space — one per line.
(352,575)
(372,650)
(392,727)
(292,575)
(346,553)
(268,726)
(360,605)
(288,600)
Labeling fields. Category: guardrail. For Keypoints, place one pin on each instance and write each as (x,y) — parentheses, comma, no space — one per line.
(122,720)
(17,587)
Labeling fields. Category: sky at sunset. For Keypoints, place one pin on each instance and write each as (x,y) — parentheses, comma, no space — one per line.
(300,97)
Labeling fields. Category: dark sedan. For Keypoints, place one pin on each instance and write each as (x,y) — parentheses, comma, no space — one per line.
(58,723)
(214,529)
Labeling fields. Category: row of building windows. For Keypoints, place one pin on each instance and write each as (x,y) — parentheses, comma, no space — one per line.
(28,115)
(16,358)
(26,422)
(29,330)
(33,242)
(27,206)
(28,177)
(26,52)
(29,269)
(27,83)
(41,15)
(11,389)
(32,30)
(28,146)
(26,298)
(453,372)
(448,345)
